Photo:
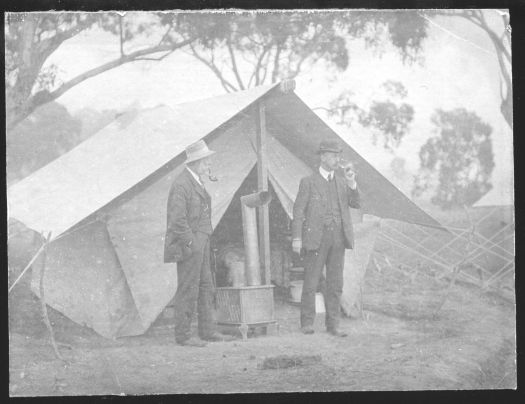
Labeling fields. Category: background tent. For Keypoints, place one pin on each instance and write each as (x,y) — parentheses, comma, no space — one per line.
(105,200)
(499,196)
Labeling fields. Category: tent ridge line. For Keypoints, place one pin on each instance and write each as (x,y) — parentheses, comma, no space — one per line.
(396,192)
(122,195)
(169,165)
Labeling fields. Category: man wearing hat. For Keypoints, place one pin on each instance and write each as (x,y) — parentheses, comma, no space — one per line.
(323,228)
(187,242)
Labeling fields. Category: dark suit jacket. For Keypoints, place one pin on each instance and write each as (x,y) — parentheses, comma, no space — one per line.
(311,205)
(189,210)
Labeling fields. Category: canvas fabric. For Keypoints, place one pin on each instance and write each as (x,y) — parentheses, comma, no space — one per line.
(110,275)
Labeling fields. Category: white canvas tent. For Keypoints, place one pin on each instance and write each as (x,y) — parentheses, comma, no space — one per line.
(104,202)
(500,196)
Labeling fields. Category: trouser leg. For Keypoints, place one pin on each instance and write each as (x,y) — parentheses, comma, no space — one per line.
(334,280)
(206,318)
(314,264)
(188,277)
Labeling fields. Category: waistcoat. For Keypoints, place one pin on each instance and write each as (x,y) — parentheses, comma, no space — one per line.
(333,213)
(204,224)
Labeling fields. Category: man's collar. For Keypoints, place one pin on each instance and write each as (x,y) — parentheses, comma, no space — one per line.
(194,175)
(325,173)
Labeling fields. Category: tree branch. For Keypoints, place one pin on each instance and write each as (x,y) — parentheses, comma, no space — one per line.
(500,49)
(265,67)
(27,34)
(256,66)
(225,83)
(327,109)
(26,73)
(495,39)
(339,108)
(298,67)
(468,18)
(38,32)
(157,59)
(275,71)
(259,62)
(114,63)
(479,20)
(505,33)
(44,96)
(234,64)
(502,53)
(501,92)
(165,34)
(476,15)
(505,18)
(49,45)
(80,26)
(462,14)
(255,42)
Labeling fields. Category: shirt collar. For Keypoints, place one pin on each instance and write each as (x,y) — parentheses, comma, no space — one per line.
(325,173)
(194,175)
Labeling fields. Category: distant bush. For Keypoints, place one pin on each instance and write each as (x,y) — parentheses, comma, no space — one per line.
(457,163)
(47,134)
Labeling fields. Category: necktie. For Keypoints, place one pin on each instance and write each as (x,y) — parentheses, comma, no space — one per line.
(330,177)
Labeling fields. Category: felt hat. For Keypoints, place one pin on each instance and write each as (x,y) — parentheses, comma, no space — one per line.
(197,151)
(329,146)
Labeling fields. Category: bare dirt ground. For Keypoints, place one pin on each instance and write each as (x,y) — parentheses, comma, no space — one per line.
(399,344)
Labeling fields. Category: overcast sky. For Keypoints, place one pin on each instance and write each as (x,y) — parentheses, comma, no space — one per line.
(460,69)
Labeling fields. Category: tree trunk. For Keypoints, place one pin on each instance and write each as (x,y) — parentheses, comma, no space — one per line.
(506,107)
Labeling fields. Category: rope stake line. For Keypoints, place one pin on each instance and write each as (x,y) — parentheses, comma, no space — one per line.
(35,256)
(27,267)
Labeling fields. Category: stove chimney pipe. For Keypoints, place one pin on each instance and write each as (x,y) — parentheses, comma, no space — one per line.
(251,241)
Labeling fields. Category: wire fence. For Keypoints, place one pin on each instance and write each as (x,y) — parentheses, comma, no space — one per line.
(480,259)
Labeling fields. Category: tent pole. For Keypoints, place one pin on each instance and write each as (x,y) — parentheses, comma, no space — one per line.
(262,185)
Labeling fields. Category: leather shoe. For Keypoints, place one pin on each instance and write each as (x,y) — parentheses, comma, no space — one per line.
(307,330)
(217,336)
(337,333)
(192,341)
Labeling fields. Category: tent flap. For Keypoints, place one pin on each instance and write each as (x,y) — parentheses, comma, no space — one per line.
(356,262)
(84,280)
(285,172)
(138,226)
(111,276)
(116,158)
(300,130)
